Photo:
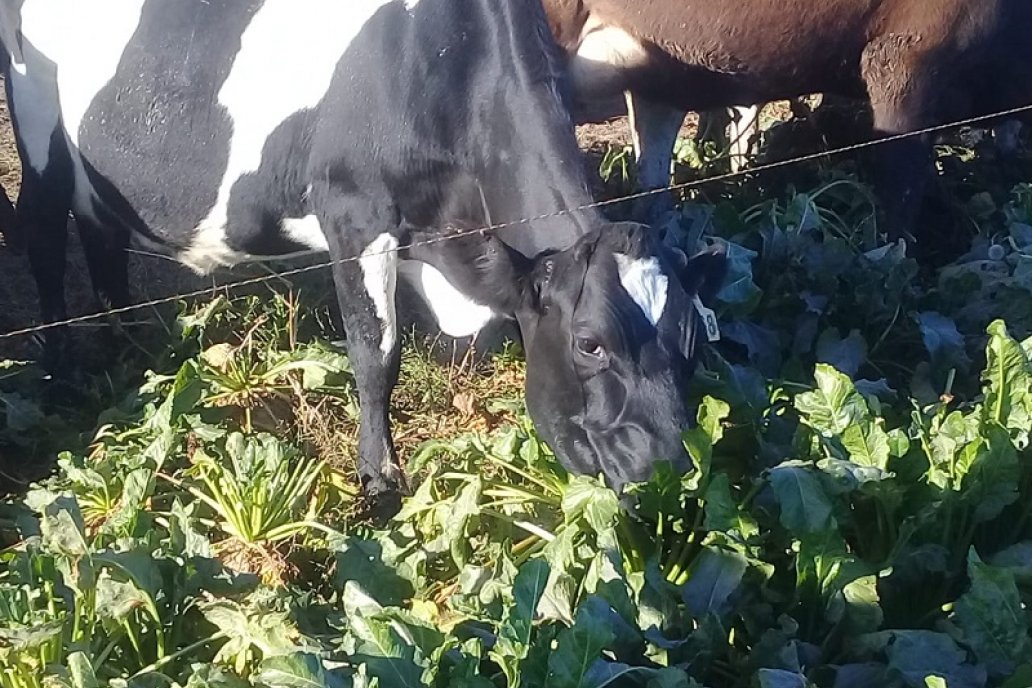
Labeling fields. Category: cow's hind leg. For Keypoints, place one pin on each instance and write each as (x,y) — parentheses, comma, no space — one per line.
(903,100)
(42,214)
(365,289)
(107,259)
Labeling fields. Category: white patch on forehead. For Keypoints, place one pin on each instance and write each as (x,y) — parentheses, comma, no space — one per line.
(457,315)
(379,263)
(645,283)
(295,46)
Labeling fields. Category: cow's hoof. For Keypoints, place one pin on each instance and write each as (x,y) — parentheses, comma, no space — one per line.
(383,505)
(383,495)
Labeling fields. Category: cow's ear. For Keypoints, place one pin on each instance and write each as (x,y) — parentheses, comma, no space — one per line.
(701,277)
(703,274)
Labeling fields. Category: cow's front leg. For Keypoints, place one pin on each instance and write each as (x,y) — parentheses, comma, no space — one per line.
(365,290)
(654,129)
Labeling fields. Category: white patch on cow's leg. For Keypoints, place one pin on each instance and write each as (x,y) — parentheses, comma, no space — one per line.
(643,279)
(654,131)
(744,131)
(306,231)
(38,117)
(379,262)
(295,44)
(457,315)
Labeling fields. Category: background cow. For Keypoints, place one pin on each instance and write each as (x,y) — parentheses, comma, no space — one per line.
(387,121)
(7,219)
(918,63)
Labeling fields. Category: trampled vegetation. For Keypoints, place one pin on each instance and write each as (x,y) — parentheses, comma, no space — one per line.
(860,513)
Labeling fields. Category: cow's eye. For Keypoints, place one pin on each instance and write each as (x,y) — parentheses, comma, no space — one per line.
(590,347)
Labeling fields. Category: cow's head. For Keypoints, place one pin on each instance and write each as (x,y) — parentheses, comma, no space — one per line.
(611,329)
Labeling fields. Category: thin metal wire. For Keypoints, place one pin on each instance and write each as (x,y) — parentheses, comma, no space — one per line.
(491,228)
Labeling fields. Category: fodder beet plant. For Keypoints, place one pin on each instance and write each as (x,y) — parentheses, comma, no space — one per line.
(859,511)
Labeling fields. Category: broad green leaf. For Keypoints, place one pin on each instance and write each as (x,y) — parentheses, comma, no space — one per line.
(64,532)
(515,633)
(948,439)
(834,405)
(210,676)
(722,514)
(254,624)
(81,670)
(298,670)
(805,507)
(715,576)
(606,578)
(993,619)
(534,670)
(988,471)
(1017,559)
(116,599)
(363,561)
(527,591)
(606,674)
(739,287)
(137,566)
(779,678)
(843,354)
(184,536)
(31,638)
(700,439)
(557,601)
(1022,677)
(867,444)
(577,650)
(863,606)
(457,517)
(380,645)
(136,489)
(1006,376)
(591,500)
(941,338)
(846,476)
(915,655)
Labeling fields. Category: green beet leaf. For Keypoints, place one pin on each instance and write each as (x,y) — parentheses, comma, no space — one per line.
(577,650)
(992,618)
(805,508)
(298,670)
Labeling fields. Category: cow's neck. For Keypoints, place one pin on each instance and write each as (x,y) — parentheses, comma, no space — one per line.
(532,166)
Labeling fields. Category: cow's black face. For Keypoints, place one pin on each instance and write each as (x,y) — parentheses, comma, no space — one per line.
(610,331)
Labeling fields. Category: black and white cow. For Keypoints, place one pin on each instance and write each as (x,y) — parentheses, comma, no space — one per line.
(221,130)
